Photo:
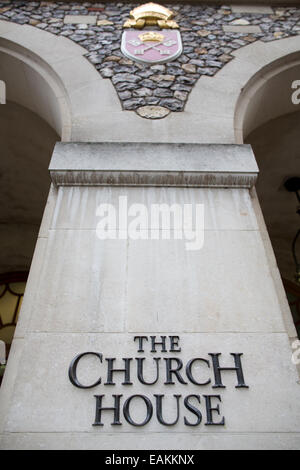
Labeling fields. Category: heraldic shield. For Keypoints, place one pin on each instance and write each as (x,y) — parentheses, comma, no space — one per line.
(151,47)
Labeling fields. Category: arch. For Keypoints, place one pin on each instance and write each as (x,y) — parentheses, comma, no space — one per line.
(227,105)
(267,95)
(51,76)
(223,99)
(263,74)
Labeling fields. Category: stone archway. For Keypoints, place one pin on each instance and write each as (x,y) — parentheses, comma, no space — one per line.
(276,147)
(220,102)
(35,113)
(32,119)
(42,80)
(51,77)
(266,117)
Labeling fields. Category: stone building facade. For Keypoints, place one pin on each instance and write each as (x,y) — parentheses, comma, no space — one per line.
(174,329)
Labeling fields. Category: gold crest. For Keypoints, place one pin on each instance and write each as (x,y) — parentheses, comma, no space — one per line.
(151,14)
(151,36)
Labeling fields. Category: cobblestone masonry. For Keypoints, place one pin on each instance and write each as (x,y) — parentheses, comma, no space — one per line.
(207,47)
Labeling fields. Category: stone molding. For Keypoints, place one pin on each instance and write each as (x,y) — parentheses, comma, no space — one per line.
(137,164)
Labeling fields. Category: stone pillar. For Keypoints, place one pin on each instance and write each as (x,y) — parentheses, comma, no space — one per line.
(203,323)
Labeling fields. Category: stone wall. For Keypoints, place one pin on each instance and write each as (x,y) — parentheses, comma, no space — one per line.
(90,294)
(210,34)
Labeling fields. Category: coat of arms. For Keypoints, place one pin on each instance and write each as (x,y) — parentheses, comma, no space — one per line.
(151,47)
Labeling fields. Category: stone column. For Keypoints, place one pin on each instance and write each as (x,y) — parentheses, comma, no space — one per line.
(207,319)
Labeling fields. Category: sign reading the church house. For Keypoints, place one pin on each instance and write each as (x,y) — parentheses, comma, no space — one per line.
(160,355)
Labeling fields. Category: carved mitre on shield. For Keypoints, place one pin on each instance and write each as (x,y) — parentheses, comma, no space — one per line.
(151,14)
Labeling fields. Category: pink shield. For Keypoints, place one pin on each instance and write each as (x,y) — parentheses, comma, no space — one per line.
(151,47)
